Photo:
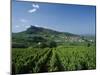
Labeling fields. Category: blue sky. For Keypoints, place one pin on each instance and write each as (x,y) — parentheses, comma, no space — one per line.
(77,19)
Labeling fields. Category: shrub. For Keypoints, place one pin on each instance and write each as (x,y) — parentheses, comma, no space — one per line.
(19,45)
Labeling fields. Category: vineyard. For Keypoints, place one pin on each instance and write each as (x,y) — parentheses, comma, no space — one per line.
(61,58)
(50,37)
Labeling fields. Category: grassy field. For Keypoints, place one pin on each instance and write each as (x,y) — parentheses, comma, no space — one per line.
(61,58)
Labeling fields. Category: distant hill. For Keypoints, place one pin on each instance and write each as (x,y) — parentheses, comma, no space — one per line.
(35,34)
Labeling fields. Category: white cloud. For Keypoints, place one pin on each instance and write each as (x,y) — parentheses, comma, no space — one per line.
(17,26)
(23,20)
(34,9)
(27,26)
(23,25)
(37,25)
(35,5)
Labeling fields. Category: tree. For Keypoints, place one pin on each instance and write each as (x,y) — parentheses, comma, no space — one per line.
(88,44)
(52,44)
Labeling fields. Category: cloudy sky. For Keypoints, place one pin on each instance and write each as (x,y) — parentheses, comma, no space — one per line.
(76,19)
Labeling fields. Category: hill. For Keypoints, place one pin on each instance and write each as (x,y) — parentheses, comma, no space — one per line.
(35,35)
